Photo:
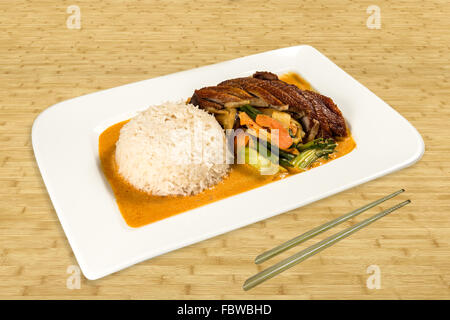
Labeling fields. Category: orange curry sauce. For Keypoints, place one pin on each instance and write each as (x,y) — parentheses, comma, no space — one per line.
(139,208)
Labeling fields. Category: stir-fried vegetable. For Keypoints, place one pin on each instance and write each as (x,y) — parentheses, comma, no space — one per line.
(227,118)
(284,139)
(255,159)
(296,131)
(265,121)
(253,128)
(247,120)
(290,153)
(278,152)
(283,117)
(319,143)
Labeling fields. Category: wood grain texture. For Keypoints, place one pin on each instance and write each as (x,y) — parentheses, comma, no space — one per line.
(406,63)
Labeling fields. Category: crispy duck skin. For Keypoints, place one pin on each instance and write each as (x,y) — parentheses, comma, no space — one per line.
(333,115)
(278,96)
(222,97)
(315,106)
(227,96)
(259,89)
(318,114)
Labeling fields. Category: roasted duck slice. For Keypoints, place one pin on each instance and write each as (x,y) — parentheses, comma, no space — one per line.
(318,114)
(336,121)
(235,91)
(258,89)
(275,93)
(208,105)
(222,97)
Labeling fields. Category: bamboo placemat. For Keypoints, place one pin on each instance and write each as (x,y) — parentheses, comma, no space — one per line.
(406,63)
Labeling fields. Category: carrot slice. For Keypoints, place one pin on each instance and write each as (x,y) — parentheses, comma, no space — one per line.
(241,140)
(284,139)
(245,120)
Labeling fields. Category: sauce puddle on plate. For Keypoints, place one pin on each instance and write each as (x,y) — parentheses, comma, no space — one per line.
(139,208)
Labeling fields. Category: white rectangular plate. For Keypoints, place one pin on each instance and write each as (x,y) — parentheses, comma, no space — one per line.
(65,142)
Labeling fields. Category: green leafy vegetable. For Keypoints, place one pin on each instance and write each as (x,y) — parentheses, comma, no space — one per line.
(319,143)
(275,151)
(312,151)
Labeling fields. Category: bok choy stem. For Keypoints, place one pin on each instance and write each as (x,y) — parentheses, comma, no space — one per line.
(312,151)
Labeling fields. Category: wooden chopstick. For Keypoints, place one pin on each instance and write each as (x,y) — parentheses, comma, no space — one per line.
(324,227)
(312,250)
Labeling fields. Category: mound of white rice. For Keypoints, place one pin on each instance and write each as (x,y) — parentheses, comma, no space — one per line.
(172,149)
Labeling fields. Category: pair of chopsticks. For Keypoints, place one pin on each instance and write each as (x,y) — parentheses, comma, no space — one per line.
(316,248)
